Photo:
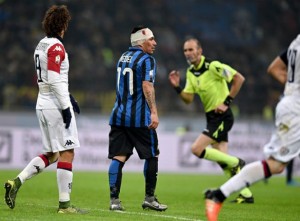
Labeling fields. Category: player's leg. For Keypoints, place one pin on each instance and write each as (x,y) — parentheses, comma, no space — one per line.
(216,132)
(34,167)
(64,141)
(120,149)
(147,148)
(64,175)
(200,149)
(289,175)
(115,181)
(245,195)
(250,174)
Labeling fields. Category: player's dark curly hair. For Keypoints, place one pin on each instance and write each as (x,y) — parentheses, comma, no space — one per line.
(56,20)
(137,28)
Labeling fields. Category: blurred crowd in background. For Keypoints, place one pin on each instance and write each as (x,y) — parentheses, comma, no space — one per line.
(247,35)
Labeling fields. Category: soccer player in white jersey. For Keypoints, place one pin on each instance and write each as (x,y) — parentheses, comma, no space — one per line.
(55,112)
(284,144)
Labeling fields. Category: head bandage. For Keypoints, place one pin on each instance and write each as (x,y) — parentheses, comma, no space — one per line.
(140,36)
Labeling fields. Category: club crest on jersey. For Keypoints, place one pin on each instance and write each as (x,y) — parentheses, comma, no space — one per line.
(57,48)
(57,59)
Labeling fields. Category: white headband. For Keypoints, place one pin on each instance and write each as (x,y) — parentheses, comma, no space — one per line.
(140,36)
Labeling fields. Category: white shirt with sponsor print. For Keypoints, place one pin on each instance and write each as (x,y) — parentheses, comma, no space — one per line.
(52,68)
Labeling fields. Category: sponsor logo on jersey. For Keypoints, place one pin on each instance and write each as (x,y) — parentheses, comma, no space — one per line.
(69,142)
(57,59)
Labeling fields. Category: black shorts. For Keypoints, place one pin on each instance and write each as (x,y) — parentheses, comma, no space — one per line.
(122,140)
(218,125)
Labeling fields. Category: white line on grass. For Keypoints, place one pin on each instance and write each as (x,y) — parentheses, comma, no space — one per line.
(136,213)
(154,215)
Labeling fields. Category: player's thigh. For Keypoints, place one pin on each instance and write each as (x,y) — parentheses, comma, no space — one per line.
(284,144)
(44,131)
(61,138)
(218,125)
(145,141)
(119,142)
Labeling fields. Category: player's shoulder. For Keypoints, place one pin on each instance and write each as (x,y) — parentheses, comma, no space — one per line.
(215,63)
(53,43)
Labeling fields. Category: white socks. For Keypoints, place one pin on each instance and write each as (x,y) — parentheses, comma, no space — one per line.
(250,174)
(64,180)
(35,166)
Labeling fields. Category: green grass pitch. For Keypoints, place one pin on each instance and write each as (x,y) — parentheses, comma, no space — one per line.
(183,193)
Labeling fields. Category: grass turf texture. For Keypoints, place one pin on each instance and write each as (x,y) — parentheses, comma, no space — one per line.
(183,193)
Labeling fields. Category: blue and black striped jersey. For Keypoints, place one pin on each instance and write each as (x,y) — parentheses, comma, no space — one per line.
(131,108)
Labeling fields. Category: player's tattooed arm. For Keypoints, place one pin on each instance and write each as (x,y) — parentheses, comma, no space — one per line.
(149,93)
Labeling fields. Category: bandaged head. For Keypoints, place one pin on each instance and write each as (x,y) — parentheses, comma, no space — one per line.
(140,36)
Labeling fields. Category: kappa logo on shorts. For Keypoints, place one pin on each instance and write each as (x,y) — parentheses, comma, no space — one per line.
(69,142)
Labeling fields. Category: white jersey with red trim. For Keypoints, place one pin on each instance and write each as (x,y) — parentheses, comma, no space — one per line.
(52,68)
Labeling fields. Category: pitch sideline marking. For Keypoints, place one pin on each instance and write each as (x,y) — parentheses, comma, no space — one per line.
(154,215)
(136,213)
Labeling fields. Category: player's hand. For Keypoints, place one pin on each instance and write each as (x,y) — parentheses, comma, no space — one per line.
(154,121)
(174,78)
(67,116)
(221,109)
(75,104)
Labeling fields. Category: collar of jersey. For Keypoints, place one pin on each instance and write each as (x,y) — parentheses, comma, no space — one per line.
(199,65)
(135,49)
(56,36)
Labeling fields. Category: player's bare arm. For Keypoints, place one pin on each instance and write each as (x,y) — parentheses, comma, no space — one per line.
(236,85)
(278,70)
(149,93)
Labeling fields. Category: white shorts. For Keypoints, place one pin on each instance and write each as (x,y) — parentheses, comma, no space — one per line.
(284,144)
(55,136)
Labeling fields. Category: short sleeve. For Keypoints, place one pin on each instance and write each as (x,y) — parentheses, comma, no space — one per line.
(56,54)
(149,68)
(283,57)
(222,70)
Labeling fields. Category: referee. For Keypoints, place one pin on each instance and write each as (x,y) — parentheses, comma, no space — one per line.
(209,79)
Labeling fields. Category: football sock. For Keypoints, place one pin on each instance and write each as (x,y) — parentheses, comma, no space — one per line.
(35,166)
(115,177)
(220,157)
(150,174)
(250,174)
(64,180)
(244,192)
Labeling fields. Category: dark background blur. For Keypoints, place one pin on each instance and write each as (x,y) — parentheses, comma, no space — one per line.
(247,35)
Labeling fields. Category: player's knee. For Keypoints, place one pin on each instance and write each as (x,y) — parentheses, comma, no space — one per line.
(53,158)
(196,150)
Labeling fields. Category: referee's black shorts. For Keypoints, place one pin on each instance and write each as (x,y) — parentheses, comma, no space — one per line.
(218,125)
(122,140)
